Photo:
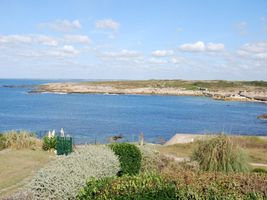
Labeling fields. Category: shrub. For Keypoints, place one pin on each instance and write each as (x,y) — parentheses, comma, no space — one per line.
(150,158)
(21,140)
(154,161)
(260,170)
(145,186)
(2,142)
(129,156)
(49,143)
(220,154)
(64,177)
(217,185)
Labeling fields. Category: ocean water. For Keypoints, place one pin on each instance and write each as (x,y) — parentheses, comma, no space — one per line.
(95,117)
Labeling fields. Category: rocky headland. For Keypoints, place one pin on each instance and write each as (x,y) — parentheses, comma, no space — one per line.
(214,89)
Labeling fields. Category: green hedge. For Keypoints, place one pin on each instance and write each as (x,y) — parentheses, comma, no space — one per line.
(129,156)
(154,187)
(147,186)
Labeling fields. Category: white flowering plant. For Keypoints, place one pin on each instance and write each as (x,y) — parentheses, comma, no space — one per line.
(64,177)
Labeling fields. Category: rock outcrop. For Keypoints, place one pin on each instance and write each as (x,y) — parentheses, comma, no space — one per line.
(259,95)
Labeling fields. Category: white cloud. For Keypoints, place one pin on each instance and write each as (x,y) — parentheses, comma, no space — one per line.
(107,24)
(257,50)
(46,40)
(84,39)
(66,50)
(177,60)
(122,53)
(157,61)
(63,25)
(202,47)
(195,47)
(28,39)
(162,53)
(15,39)
(215,47)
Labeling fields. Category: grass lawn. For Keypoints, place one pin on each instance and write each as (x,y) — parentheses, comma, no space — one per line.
(18,166)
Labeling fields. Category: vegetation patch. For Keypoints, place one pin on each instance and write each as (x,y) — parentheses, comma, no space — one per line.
(260,170)
(18,166)
(64,177)
(129,156)
(144,186)
(2,142)
(19,140)
(218,185)
(49,143)
(220,154)
(190,85)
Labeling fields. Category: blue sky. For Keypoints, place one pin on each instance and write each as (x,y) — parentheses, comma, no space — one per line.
(108,39)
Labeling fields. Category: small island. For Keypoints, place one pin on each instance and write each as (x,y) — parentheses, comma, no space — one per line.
(255,91)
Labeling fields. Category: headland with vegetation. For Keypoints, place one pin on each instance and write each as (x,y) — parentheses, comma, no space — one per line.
(255,91)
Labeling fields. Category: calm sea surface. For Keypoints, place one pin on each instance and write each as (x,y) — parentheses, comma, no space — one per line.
(90,117)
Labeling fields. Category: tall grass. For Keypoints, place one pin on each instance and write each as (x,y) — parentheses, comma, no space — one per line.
(20,140)
(220,153)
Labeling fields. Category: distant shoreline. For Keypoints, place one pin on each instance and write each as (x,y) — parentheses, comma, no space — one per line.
(250,91)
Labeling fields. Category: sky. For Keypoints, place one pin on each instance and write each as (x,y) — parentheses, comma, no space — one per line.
(118,39)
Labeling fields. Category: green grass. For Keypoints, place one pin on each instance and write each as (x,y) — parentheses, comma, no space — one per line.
(18,166)
(190,85)
(220,153)
(256,148)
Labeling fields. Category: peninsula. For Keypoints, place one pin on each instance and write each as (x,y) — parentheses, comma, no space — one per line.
(255,91)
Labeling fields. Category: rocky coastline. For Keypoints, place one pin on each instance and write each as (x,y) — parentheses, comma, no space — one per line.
(258,95)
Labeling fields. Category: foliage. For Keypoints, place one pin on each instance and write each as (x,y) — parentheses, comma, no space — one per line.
(20,140)
(153,160)
(129,156)
(217,185)
(178,185)
(250,142)
(190,85)
(49,143)
(150,158)
(260,170)
(144,186)
(220,154)
(2,142)
(64,177)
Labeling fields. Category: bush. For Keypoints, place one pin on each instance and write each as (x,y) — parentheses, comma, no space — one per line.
(150,158)
(220,154)
(21,140)
(260,170)
(49,143)
(2,142)
(146,186)
(218,185)
(129,156)
(64,177)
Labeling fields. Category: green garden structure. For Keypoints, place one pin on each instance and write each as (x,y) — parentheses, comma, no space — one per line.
(64,145)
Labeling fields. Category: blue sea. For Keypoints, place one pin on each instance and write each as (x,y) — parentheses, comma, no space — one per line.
(96,117)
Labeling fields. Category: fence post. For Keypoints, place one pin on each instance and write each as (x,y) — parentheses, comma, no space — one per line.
(141,139)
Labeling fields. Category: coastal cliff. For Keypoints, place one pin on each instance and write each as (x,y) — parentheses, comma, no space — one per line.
(219,90)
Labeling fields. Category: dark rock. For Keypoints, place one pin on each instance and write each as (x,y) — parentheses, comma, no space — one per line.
(263,116)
